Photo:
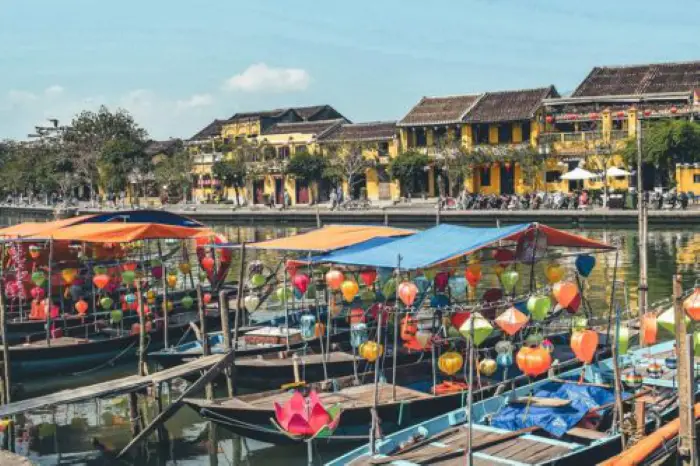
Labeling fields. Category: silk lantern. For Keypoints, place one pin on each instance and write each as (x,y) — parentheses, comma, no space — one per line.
(511,321)
(487,367)
(38,278)
(533,362)
(509,279)
(368,276)
(623,340)
(585,264)
(100,281)
(649,328)
(37,293)
(81,307)
(473,274)
(106,303)
(565,293)
(171,280)
(157,272)
(283,294)
(69,275)
(584,345)
(450,362)
(251,302)
(370,350)
(458,287)
(187,302)
(423,338)
(554,272)
(430,274)
(349,289)
(692,305)
(334,279)
(504,257)
(389,289)
(407,293)
(441,280)
(184,267)
(116,316)
(257,280)
(482,328)
(206,298)
(208,263)
(539,307)
(667,320)
(128,277)
(34,252)
(301,282)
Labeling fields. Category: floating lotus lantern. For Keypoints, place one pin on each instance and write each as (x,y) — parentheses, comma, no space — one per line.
(584,345)
(100,281)
(368,276)
(585,264)
(539,307)
(511,321)
(509,280)
(306,418)
(81,307)
(206,298)
(407,293)
(450,362)
(487,367)
(69,275)
(554,272)
(533,362)
(257,280)
(349,289)
(649,328)
(301,282)
(251,302)
(482,328)
(692,305)
(371,350)
(334,279)
(473,274)
(187,302)
(208,263)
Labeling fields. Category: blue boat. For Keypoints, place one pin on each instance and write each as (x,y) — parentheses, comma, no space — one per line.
(559,420)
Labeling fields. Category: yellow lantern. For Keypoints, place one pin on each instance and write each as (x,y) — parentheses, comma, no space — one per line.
(371,350)
(451,362)
(487,367)
(69,275)
(185,268)
(169,306)
(151,296)
(172,280)
(554,272)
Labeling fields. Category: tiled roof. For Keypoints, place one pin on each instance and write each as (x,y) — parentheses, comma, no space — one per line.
(439,110)
(640,79)
(213,129)
(371,131)
(305,113)
(158,147)
(307,127)
(508,105)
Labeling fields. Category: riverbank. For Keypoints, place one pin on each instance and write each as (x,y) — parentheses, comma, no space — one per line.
(413,215)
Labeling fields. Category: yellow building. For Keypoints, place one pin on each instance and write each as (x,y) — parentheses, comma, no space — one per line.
(378,142)
(493,128)
(591,127)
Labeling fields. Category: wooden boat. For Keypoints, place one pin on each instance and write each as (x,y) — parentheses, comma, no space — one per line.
(531,439)
(250,415)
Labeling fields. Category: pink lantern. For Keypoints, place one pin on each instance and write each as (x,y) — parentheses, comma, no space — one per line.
(38,293)
(301,282)
(407,293)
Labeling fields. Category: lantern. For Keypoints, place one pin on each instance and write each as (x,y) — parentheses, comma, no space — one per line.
(533,361)
(171,279)
(116,316)
(208,263)
(34,252)
(565,293)
(371,350)
(667,320)
(358,334)
(654,370)
(251,302)
(307,325)
(548,345)
(511,321)
(202,275)
(549,119)
(283,294)
(130,266)
(632,379)
(301,282)
(389,289)
(539,307)
(384,274)
(647,113)
(623,340)
(81,307)
(349,289)
(106,303)
(407,293)
(38,278)
(423,338)
(185,268)
(504,256)
(458,318)
(128,277)
(257,280)
(368,276)
(157,272)
(482,328)
(554,272)
(69,275)
(648,328)
(100,281)
(504,360)
(151,296)
(409,327)
(206,298)
(593,116)
(130,298)
(356,316)
(450,362)
(334,279)
(584,345)
(692,305)
(187,302)
(169,305)
(37,293)
(473,274)
(584,264)
(509,279)
(487,367)
(620,114)
(458,287)
(674,109)
(441,280)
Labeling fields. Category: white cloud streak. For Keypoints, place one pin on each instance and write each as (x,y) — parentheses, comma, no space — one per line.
(261,78)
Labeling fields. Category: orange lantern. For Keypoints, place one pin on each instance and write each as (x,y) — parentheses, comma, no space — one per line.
(533,361)
(131,266)
(172,280)
(69,275)
(692,305)
(649,328)
(584,345)
(407,293)
(349,289)
(81,307)
(208,263)
(334,278)
(409,327)
(565,293)
(473,274)
(511,321)
(101,280)
(319,330)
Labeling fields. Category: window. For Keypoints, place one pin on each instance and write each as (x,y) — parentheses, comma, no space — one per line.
(383,149)
(505,133)
(553,176)
(283,152)
(485,175)
(481,134)
(525,127)
(696,178)
(458,134)
(301,149)
(383,174)
(421,140)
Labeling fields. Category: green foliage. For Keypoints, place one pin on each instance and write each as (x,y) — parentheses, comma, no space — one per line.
(408,169)
(307,166)
(232,171)
(666,143)
(173,171)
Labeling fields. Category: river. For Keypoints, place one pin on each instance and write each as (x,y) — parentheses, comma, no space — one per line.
(65,435)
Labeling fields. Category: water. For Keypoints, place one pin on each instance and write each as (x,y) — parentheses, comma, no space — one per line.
(64,435)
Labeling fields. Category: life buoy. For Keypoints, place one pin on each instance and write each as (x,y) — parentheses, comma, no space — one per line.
(449,387)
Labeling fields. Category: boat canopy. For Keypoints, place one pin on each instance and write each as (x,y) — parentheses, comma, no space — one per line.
(445,242)
(332,237)
(32,229)
(126,232)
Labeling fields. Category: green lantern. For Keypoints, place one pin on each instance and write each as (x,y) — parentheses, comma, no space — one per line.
(187,302)
(539,307)
(696,342)
(623,340)
(579,323)
(283,294)
(39,278)
(203,276)
(389,288)
(156,263)
(534,340)
(128,277)
(116,316)
(257,280)
(106,303)
(430,274)
(482,328)
(509,279)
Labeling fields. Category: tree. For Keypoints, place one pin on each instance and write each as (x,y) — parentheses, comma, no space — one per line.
(233,172)
(173,172)
(308,166)
(346,161)
(664,144)
(408,169)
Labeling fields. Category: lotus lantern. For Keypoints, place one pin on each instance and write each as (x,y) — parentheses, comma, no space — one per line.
(306,417)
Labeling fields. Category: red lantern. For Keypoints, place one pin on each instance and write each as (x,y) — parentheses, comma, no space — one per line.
(357,316)
(549,119)
(291,267)
(101,280)
(208,263)
(135,328)
(572,116)
(38,293)
(620,114)
(368,276)
(301,282)
(593,116)
(458,318)
(441,281)
(407,293)
(130,266)
(533,361)
(504,256)
(674,109)
(649,328)
(584,345)
(206,298)
(473,274)
(81,307)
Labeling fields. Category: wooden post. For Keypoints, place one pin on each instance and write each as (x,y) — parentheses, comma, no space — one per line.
(685,378)
(142,330)
(226,332)
(237,319)
(286,300)
(134,415)
(164,280)
(437,213)
(396,329)
(470,396)
(205,337)
(386,218)
(375,417)
(617,378)
(318,217)
(642,297)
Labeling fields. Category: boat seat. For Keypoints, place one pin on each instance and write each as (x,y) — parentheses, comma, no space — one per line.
(588,434)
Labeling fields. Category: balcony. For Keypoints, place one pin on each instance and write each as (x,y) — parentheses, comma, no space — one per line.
(578,136)
(207,158)
(619,135)
(268,166)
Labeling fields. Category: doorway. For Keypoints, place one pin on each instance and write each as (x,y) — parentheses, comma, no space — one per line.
(507,179)
(279,191)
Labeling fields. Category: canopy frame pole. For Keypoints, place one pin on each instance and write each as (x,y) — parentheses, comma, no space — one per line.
(395,349)
(48,296)
(324,353)
(533,281)
(164,303)
(470,396)
(286,299)
(375,415)
(641,207)
(7,387)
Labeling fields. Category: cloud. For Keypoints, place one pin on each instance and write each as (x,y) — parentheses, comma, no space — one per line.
(21,97)
(54,90)
(262,78)
(196,101)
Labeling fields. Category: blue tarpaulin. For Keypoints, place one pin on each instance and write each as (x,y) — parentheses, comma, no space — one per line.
(144,216)
(556,421)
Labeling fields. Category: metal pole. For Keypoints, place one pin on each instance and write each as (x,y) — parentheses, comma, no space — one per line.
(642,298)
(286,302)
(142,330)
(237,322)
(470,396)
(5,345)
(325,349)
(375,417)
(48,296)
(395,349)
(205,336)
(164,280)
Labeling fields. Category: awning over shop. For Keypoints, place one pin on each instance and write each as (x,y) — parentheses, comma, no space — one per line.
(446,242)
(331,238)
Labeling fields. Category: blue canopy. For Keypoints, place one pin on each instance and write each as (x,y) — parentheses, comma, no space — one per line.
(145,216)
(422,249)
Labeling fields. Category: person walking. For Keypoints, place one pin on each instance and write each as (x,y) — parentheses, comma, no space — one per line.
(333,199)
(287,199)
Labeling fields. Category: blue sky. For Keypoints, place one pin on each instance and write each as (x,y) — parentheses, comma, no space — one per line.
(178,64)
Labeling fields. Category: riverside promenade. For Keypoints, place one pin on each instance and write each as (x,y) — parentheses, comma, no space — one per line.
(421,213)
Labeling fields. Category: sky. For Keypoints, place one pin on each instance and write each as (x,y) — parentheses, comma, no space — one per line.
(178,64)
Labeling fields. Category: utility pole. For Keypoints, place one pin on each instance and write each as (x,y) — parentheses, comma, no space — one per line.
(642,297)
(686,380)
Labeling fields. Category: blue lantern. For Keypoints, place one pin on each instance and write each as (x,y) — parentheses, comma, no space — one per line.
(585,264)
(504,359)
(458,286)
(438,301)
(308,324)
(358,334)
(130,298)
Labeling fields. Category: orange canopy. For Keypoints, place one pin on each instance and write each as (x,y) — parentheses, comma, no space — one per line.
(126,232)
(39,229)
(331,237)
